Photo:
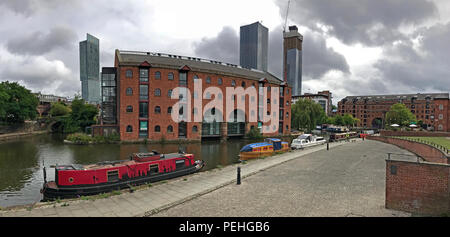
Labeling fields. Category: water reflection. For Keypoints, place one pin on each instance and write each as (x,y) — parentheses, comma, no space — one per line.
(21,161)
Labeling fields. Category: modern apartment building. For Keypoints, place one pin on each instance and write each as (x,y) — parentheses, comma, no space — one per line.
(254,43)
(90,69)
(292,59)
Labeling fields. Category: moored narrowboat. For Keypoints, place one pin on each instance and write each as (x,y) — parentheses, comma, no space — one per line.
(73,181)
(261,149)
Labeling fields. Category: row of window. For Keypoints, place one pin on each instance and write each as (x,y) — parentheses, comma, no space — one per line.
(158,128)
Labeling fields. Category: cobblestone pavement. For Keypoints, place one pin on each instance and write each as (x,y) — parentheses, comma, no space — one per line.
(158,197)
(347,180)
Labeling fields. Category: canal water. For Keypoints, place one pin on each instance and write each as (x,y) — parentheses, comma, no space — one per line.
(21,161)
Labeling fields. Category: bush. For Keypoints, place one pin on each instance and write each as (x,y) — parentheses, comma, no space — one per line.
(79,138)
(254,133)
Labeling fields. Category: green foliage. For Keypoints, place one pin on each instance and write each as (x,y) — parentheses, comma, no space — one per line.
(306,114)
(400,114)
(16,103)
(59,109)
(82,138)
(254,133)
(81,116)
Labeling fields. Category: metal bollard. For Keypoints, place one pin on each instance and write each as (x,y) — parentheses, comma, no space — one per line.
(328,146)
(238,176)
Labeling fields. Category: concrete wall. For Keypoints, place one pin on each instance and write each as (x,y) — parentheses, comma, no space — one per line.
(417,187)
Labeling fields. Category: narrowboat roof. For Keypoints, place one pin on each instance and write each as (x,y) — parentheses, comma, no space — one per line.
(273,139)
(249,147)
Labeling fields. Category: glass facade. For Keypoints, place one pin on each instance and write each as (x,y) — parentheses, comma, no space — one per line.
(109,96)
(254,46)
(90,69)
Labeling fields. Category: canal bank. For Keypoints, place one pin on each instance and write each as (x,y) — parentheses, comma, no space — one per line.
(159,197)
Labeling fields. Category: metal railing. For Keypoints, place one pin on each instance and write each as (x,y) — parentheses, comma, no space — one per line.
(418,140)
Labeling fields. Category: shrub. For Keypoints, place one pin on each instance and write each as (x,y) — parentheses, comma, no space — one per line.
(254,133)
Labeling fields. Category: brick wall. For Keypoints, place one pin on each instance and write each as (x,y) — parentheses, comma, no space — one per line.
(429,153)
(417,187)
(414,133)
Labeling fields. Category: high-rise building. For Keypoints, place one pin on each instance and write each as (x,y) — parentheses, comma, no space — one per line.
(292,59)
(90,69)
(254,46)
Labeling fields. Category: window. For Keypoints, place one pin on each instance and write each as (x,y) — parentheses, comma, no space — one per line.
(143,110)
(194,128)
(158,75)
(129,109)
(183,78)
(143,92)
(128,73)
(233,83)
(169,110)
(129,91)
(170,128)
(170,76)
(287,114)
(169,93)
(157,110)
(153,169)
(129,128)
(208,80)
(113,175)
(157,92)
(441,116)
(219,81)
(213,111)
(180,112)
(441,107)
(143,75)
(243,84)
(143,129)
(157,128)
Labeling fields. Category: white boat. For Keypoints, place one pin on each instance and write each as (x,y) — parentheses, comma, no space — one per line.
(307,140)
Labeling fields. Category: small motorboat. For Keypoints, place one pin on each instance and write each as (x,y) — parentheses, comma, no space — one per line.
(73,181)
(307,140)
(262,149)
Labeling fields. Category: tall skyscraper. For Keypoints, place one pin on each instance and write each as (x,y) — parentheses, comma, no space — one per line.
(90,69)
(292,59)
(254,46)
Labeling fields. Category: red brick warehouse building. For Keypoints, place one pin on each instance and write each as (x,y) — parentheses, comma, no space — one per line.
(137,97)
(433,109)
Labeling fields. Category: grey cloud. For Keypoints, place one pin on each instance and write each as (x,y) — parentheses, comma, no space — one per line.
(317,58)
(29,7)
(369,22)
(423,68)
(38,42)
(223,47)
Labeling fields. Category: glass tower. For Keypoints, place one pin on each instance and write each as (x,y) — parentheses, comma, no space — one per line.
(254,46)
(90,69)
(292,60)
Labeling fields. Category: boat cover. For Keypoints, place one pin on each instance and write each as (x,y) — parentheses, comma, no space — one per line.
(249,147)
(276,143)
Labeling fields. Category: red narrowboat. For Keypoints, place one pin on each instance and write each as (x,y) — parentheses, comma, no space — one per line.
(73,181)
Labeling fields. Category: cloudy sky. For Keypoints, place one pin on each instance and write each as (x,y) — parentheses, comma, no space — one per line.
(351,47)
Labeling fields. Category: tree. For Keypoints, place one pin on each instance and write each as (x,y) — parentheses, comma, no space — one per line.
(16,103)
(400,114)
(59,109)
(306,114)
(83,114)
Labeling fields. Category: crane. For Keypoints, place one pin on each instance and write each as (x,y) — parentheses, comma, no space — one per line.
(287,12)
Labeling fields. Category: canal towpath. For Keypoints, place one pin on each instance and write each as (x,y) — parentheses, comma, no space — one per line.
(160,196)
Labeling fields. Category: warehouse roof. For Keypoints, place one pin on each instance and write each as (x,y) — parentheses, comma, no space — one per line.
(134,58)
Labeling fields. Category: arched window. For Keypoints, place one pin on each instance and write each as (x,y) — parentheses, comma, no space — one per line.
(129,109)
(158,75)
(157,92)
(219,81)
(170,128)
(170,76)
(157,128)
(169,93)
(195,128)
(129,128)
(157,110)
(195,77)
(243,84)
(208,80)
(169,110)
(128,73)
(129,91)
(180,112)
(233,83)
